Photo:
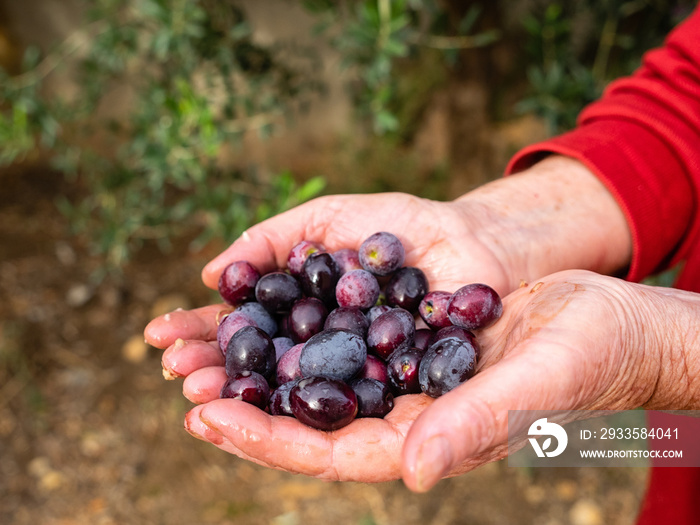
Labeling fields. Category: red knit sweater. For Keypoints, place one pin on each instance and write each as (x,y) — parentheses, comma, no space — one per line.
(642,139)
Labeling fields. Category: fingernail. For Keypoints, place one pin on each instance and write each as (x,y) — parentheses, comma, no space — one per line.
(191,431)
(434,461)
(222,314)
(212,433)
(168,372)
(202,431)
(169,375)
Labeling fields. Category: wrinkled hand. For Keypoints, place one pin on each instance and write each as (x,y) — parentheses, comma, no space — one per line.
(513,229)
(576,341)
(439,237)
(499,234)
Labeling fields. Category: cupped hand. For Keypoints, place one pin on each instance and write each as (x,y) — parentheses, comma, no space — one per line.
(502,233)
(439,237)
(496,235)
(574,340)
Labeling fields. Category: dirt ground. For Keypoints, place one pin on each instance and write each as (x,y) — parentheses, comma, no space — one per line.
(90,433)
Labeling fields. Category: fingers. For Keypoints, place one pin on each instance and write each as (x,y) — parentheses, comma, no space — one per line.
(286,443)
(472,419)
(184,357)
(196,427)
(204,385)
(338,221)
(267,244)
(280,441)
(199,324)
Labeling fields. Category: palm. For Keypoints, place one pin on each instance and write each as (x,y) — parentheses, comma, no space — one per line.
(541,336)
(437,237)
(542,354)
(368,449)
(564,344)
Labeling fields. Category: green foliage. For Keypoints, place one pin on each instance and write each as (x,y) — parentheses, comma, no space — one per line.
(571,50)
(162,89)
(666,278)
(574,49)
(375,36)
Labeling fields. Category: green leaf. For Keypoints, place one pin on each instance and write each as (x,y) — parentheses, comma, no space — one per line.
(395,47)
(31,58)
(486,38)
(310,189)
(469,19)
(385,121)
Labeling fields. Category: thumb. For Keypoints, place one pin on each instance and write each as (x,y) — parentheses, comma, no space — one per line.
(459,430)
(266,245)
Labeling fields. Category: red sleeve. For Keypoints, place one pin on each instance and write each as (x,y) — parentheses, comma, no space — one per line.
(642,139)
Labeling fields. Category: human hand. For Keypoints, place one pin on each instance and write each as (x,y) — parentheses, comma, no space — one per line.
(577,341)
(486,236)
(552,217)
(441,238)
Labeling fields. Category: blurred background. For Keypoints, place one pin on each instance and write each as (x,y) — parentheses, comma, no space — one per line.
(139,137)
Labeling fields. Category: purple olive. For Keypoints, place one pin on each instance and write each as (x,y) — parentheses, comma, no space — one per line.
(247,386)
(319,276)
(277,292)
(288,365)
(250,348)
(280,405)
(390,331)
(474,306)
(336,353)
(357,288)
(374,368)
(403,371)
(374,399)
(237,282)
(306,318)
(446,364)
(349,319)
(433,309)
(323,403)
(424,338)
(407,288)
(381,253)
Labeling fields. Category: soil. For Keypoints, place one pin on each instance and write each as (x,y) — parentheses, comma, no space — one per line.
(90,432)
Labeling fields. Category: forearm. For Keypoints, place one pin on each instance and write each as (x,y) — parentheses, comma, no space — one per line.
(641,139)
(554,216)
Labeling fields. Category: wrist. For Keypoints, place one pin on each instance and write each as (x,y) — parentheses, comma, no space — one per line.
(674,327)
(554,216)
